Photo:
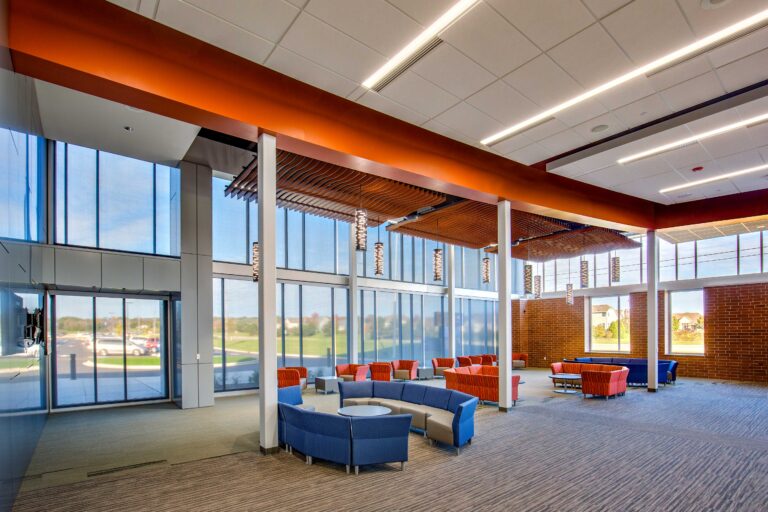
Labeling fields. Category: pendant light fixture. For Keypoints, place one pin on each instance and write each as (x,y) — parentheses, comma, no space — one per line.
(537,287)
(486,270)
(361,229)
(569,287)
(378,254)
(437,259)
(528,279)
(584,273)
(256,257)
(615,269)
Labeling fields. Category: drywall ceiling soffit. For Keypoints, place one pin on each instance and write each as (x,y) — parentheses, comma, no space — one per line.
(223,158)
(79,118)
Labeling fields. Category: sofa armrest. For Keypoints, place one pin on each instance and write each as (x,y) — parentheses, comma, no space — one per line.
(464,422)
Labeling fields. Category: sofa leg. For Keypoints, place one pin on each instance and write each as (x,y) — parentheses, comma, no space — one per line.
(357,470)
(347,468)
(470,441)
(309,460)
(402,466)
(458,451)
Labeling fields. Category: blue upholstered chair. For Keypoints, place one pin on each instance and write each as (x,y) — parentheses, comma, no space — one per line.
(328,438)
(379,440)
(290,395)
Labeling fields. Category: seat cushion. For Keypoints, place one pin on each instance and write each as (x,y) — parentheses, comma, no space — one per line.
(440,369)
(403,374)
(419,413)
(518,363)
(356,401)
(393,405)
(440,428)
(437,397)
(347,377)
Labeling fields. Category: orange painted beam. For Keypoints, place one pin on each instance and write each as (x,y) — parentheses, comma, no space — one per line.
(104,50)
(732,207)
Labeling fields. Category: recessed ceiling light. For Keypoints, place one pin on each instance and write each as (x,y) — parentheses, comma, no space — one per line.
(443,22)
(696,46)
(713,4)
(128,128)
(599,128)
(715,178)
(690,140)
(683,196)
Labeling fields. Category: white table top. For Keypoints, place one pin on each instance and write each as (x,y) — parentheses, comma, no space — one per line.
(566,376)
(364,410)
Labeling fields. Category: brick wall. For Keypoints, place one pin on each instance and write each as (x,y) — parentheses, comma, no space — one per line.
(735,332)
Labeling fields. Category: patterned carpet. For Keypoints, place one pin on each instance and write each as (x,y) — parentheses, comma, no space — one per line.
(697,446)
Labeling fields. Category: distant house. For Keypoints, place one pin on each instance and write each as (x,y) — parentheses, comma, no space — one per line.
(603,314)
(688,321)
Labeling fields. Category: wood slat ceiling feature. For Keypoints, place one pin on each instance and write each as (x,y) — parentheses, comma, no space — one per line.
(473,224)
(715,229)
(332,191)
(568,244)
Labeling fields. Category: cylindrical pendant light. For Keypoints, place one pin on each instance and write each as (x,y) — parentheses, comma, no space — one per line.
(486,270)
(256,257)
(569,294)
(361,229)
(437,264)
(537,287)
(584,275)
(615,269)
(528,279)
(378,258)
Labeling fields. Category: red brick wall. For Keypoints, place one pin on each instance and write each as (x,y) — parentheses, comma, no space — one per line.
(735,332)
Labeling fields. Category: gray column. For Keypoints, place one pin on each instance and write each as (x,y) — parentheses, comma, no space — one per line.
(196,287)
(451,302)
(354,299)
(505,305)
(652,309)
(267,165)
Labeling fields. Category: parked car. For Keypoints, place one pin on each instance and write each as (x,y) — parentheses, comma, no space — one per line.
(114,347)
(151,344)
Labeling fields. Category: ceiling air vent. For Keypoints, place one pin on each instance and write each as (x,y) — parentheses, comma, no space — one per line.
(403,67)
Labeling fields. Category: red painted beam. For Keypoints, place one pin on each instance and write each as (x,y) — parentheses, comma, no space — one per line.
(104,50)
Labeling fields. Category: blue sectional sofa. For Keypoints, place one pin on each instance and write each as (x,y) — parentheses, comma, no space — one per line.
(638,368)
(443,415)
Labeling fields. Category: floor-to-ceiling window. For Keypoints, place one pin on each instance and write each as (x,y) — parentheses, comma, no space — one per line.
(476,326)
(22,165)
(235,334)
(108,349)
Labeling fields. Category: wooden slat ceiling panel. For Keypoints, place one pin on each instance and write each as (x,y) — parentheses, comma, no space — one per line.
(309,185)
(568,244)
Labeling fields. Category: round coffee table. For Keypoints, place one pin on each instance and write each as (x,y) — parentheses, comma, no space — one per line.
(364,410)
(566,378)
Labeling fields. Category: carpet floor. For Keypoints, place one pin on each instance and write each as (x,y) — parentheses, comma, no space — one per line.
(696,446)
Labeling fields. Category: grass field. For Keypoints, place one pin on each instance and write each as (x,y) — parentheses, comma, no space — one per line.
(155,360)
(317,345)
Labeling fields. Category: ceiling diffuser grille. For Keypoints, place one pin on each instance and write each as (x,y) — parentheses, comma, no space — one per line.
(403,67)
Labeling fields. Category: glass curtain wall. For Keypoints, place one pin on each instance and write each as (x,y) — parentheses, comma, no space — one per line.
(476,322)
(115,202)
(22,168)
(108,349)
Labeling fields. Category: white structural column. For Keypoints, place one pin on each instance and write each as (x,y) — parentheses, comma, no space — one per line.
(196,287)
(451,302)
(652,309)
(267,165)
(354,298)
(505,305)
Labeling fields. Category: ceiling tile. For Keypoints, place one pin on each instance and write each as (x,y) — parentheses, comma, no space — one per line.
(544,82)
(571,170)
(503,103)
(649,29)
(423,11)
(613,124)
(739,48)
(382,104)
(747,71)
(418,94)
(581,112)
(647,167)
(488,39)
(512,144)
(453,71)
(298,3)
(693,92)
(739,161)
(323,44)
(191,20)
(627,93)
(265,18)
(686,157)
(680,73)
(748,182)
(545,130)
(375,23)
(131,5)
(716,120)
(707,21)
(728,143)
(529,155)
(545,22)
(440,128)
(716,189)
(148,8)
(466,119)
(608,177)
(296,66)
(591,57)
(563,142)
(602,8)
(642,111)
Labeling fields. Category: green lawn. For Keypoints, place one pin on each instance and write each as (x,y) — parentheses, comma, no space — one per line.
(14,362)
(155,360)
(316,345)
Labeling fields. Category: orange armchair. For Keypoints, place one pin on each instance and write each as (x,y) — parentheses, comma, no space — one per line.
(604,380)
(464,361)
(352,371)
(519,360)
(287,377)
(381,371)
(476,359)
(302,374)
(486,360)
(405,369)
(440,364)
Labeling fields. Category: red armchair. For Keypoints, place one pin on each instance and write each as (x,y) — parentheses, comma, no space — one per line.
(464,361)
(476,359)
(405,369)
(519,360)
(605,380)
(302,374)
(440,364)
(288,377)
(479,381)
(352,371)
(381,371)
(486,360)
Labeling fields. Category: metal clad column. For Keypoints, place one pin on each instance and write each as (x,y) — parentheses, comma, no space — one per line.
(505,305)
(267,165)
(652,248)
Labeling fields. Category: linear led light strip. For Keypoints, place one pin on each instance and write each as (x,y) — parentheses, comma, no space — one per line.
(697,46)
(431,32)
(688,140)
(714,178)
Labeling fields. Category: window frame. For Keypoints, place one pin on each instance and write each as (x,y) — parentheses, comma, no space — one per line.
(588,324)
(668,347)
